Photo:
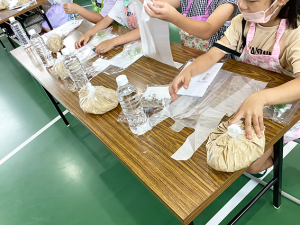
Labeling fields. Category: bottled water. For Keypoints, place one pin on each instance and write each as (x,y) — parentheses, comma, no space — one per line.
(41,48)
(132,107)
(19,32)
(74,67)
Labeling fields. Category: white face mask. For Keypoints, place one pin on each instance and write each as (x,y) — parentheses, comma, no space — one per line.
(258,17)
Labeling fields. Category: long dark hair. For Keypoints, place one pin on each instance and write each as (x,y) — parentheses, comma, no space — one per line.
(291,12)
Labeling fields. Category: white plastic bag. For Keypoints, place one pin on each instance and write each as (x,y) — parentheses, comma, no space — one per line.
(154,35)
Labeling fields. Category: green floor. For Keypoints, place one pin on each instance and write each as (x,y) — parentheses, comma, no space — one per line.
(66,176)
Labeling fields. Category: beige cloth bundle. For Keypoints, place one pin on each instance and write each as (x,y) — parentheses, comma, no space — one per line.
(55,43)
(230,150)
(3,4)
(22,2)
(97,99)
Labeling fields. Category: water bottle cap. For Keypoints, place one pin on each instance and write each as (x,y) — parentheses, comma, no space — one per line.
(65,51)
(122,80)
(12,19)
(31,32)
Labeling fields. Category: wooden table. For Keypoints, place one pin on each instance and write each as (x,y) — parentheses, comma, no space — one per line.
(185,187)
(5,14)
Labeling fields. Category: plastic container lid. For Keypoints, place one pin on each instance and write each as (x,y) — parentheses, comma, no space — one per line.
(65,51)
(12,19)
(31,32)
(122,80)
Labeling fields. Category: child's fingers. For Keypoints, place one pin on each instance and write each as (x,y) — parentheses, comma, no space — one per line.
(159,4)
(261,123)
(154,9)
(237,117)
(172,92)
(248,122)
(186,82)
(85,40)
(149,12)
(256,126)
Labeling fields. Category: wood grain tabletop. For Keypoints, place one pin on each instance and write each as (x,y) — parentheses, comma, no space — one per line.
(5,14)
(185,187)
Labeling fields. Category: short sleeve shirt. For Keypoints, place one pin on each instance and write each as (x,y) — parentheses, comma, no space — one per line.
(198,8)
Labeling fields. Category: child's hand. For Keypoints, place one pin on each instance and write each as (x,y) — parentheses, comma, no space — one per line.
(105,46)
(70,8)
(82,41)
(164,12)
(252,110)
(182,79)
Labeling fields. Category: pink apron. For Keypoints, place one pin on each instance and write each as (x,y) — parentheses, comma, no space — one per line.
(267,62)
(272,63)
(131,19)
(190,40)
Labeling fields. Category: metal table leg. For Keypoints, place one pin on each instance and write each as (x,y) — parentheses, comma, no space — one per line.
(278,158)
(55,104)
(276,181)
(2,44)
(45,17)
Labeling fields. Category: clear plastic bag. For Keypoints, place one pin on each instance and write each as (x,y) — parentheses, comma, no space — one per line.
(101,36)
(282,113)
(63,30)
(156,96)
(223,97)
(58,70)
(229,149)
(131,53)
(97,99)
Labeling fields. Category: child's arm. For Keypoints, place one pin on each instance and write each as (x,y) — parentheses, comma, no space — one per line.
(71,8)
(200,65)
(95,29)
(252,107)
(105,46)
(203,30)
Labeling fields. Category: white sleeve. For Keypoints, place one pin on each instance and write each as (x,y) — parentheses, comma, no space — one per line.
(117,13)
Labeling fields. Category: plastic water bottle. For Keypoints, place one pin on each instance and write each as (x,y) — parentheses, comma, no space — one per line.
(19,32)
(74,67)
(132,107)
(41,48)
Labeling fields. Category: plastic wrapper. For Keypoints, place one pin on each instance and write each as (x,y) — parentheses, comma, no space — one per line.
(3,4)
(230,150)
(131,53)
(63,30)
(14,4)
(112,70)
(282,113)
(97,99)
(154,35)
(223,97)
(55,43)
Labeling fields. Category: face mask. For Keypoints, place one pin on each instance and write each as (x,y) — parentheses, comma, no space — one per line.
(258,17)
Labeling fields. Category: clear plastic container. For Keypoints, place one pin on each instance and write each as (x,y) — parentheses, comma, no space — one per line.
(19,32)
(132,107)
(74,67)
(41,48)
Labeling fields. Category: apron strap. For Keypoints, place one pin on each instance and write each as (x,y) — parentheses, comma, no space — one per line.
(190,4)
(226,49)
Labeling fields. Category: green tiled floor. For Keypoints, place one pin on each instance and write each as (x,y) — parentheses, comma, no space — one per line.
(66,176)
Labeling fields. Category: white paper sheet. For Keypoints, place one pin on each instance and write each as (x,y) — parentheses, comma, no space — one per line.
(201,82)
